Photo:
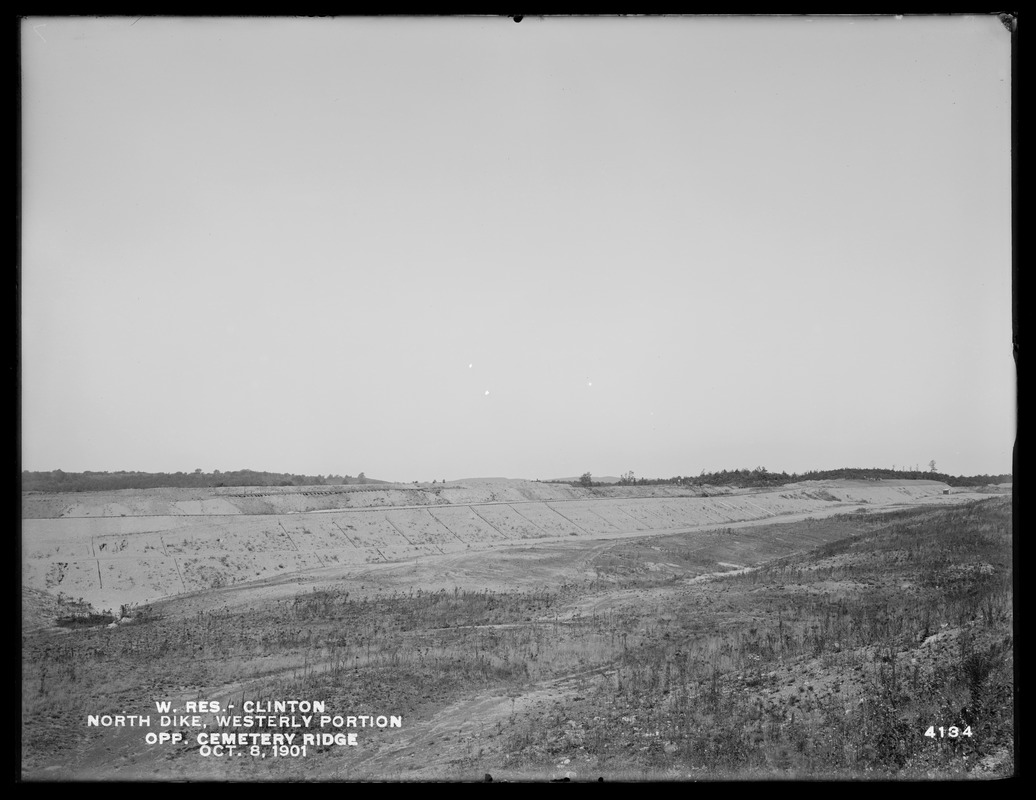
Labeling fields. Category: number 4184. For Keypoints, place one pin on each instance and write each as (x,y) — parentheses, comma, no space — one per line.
(951,732)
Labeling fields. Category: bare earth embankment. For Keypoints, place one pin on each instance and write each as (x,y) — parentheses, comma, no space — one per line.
(137,546)
(526,630)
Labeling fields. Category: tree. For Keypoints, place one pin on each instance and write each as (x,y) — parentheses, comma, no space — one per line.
(585,480)
(931,465)
(627,479)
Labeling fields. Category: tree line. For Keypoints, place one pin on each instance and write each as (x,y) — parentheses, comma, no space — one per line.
(61,481)
(762,477)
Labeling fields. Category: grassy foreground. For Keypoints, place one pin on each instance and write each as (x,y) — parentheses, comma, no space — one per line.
(829,664)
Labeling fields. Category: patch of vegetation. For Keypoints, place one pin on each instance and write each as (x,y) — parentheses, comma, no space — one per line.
(85,620)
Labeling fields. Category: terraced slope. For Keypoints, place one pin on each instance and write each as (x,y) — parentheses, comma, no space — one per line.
(136,546)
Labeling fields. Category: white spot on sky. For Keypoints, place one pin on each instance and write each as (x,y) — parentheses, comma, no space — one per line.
(487,392)
(470,366)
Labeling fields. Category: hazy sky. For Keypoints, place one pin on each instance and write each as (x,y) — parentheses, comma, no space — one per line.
(446,248)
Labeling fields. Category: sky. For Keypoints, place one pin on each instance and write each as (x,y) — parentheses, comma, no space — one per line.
(467,247)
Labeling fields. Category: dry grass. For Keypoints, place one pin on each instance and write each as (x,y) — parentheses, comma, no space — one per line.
(827,664)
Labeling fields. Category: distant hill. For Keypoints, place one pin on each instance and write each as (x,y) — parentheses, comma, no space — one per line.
(60,481)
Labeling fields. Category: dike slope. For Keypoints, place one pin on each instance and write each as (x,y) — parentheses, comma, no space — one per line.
(137,546)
